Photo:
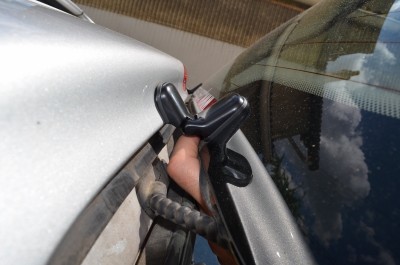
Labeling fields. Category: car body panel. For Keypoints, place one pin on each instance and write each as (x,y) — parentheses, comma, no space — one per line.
(77,101)
(272,232)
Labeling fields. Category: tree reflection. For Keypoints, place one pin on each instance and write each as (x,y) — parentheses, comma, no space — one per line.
(283,183)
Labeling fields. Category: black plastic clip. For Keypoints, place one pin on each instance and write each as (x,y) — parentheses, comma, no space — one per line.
(215,126)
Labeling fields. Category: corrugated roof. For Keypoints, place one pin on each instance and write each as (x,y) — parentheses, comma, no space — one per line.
(240,22)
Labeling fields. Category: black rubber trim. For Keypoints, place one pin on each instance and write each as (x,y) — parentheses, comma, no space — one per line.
(56,5)
(94,218)
(230,218)
(169,243)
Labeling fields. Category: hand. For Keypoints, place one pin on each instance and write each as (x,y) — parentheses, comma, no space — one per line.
(184,169)
(184,166)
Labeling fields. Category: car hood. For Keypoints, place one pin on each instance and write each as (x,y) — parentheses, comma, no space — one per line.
(77,101)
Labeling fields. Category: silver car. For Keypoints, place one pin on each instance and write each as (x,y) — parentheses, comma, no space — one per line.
(89,117)
(76,109)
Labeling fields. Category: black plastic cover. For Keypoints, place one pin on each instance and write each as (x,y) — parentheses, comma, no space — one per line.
(170,105)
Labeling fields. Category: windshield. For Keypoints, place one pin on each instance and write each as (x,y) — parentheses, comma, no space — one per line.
(324,90)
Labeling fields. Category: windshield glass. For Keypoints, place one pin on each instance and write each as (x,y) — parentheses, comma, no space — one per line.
(324,90)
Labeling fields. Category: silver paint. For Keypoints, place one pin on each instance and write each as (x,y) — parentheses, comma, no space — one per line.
(275,236)
(76,101)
